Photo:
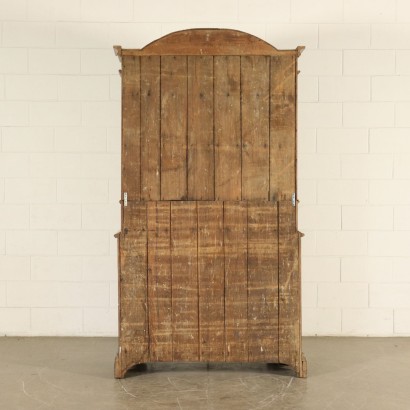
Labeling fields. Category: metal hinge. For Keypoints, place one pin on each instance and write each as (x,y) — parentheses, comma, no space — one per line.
(125,199)
(294,199)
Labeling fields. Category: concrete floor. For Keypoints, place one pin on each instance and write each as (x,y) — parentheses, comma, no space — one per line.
(77,373)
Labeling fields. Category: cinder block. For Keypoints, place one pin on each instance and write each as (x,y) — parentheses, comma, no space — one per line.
(389,141)
(387,295)
(1,192)
(135,35)
(59,113)
(14,268)
(31,243)
(83,243)
(402,114)
(389,192)
(29,190)
(100,268)
(15,321)
(97,62)
(27,139)
(83,35)
(336,89)
(31,87)
(14,216)
(264,11)
(307,192)
(83,88)
(14,165)
(13,60)
(309,295)
(57,165)
(54,10)
(369,62)
(321,322)
(14,113)
(388,88)
(402,218)
(308,89)
(15,10)
(389,244)
(402,166)
(56,321)
(80,139)
(344,36)
(309,244)
(344,192)
(101,321)
(58,268)
(321,62)
(82,191)
(374,114)
(343,295)
(3,295)
(370,11)
(367,218)
(316,115)
(390,36)
(342,140)
(319,217)
(101,216)
(84,294)
(54,61)
(106,114)
(317,11)
(106,10)
(366,269)
(113,140)
(369,322)
(306,140)
(288,36)
(33,294)
(402,321)
(401,271)
(55,216)
(320,269)
(403,62)
(28,34)
(334,243)
(403,11)
(100,166)
(114,190)
(114,294)
(318,166)
(115,87)
(376,166)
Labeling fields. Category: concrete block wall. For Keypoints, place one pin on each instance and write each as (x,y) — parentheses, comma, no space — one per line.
(60,155)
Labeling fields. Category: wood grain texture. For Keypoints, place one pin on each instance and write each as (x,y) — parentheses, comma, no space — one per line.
(131,128)
(227,123)
(211,281)
(236,281)
(255,127)
(150,128)
(263,281)
(173,127)
(283,128)
(200,129)
(159,280)
(184,281)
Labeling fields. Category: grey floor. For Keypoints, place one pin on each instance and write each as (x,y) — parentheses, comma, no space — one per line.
(77,373)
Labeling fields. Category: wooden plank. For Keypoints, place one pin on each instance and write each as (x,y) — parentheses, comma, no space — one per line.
(211,281)
(200,129)
(133,291)
(150,128)
(283,128)
(263,281)
(173,127)
(208,42)
(289,286)
(236,294)
(159,281)
(255,127)
(227,128)
(184,281)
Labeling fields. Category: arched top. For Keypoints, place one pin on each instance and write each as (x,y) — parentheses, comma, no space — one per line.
(206,41)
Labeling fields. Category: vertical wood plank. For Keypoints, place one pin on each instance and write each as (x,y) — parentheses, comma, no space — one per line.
(227,123)
(150,128)
(255,127)
(184,281)
(131,144)
(173,127)
(236,294)
(289,286)
(133,290)
(200,128)
(159,281)
(283,128)
(211,281)
(263,281)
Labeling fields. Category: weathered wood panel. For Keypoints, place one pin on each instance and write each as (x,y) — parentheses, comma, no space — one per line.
(159,280)
(263,281)
(201,179)
(131,123)
(184,281)
(173,127)
(255,127)
(236,292)
(283,128)
(211,281)
(227,123)
(150,128)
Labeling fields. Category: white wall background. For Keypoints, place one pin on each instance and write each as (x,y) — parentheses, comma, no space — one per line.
(60,155)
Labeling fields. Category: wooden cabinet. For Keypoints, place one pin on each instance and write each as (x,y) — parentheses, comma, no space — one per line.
(209,252)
